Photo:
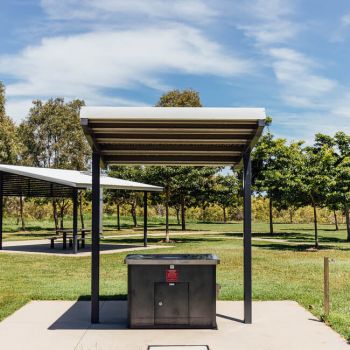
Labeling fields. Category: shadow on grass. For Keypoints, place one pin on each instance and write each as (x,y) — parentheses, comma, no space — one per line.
(156,240)
(298,247)
(130,226)
(31,235)
(291,236)
(311,230)
(30,229)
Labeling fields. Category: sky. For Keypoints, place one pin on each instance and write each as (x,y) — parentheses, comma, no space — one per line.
(291,57)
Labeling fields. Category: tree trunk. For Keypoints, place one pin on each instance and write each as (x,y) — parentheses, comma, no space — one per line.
(291,213)
(177,215)
(183,214)
(18,216)
(62,215)
(133,214)
(81,210)
(167,239)
(54,208)
(224,213)
(315,224)
(336,221)
(118,216)
(21,205)
(347,218)
(61,218)
(271,216)
(203,213)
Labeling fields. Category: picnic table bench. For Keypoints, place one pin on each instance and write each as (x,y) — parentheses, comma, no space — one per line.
(65,234)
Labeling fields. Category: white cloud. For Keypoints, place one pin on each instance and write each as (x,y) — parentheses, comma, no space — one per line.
(320,102)
(100,10)
(271,33)
(303,87)
(345,20)
(274,31)
(270,10)
(268,21)
(84,65)
(18,108)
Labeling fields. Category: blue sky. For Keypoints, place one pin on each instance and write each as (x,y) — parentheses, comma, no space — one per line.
(291,57)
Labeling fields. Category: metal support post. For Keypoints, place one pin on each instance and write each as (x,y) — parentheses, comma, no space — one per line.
(95,246)
(145,219)
(75,220)
(247,237)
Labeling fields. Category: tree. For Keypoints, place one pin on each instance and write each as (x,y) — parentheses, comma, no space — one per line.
(315,178)
(342,189)
(193,186)
(176,98)
(9,142)
(132,173)
(226,192)
(340,194)
(273,162)
(52,137)
(166,177)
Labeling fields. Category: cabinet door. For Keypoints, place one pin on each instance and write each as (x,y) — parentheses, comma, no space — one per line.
(171,304)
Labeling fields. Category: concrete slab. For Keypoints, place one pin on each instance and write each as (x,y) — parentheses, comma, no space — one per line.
(42,247)
(65,325)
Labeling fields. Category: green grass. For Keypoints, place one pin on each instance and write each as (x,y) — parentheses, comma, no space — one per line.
(36,229)
(281,270)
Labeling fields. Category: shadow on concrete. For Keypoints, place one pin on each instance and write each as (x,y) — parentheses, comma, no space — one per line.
(58,250)
(230,318)
(113,315)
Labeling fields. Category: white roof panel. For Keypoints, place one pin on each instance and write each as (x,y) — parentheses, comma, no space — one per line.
(74,178)
(168,113)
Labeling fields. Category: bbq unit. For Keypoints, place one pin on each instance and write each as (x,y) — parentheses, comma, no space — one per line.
(172,290)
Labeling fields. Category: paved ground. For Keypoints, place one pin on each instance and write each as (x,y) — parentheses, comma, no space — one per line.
(42,247)
(277,325)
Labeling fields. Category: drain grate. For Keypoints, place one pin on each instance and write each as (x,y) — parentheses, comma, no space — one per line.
(178,347)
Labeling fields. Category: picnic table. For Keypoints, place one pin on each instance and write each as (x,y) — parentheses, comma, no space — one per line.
(68,234)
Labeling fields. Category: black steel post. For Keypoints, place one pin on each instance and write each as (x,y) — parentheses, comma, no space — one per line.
(75,220)
(247,237)
(95,233)
(1,205)
(145,219)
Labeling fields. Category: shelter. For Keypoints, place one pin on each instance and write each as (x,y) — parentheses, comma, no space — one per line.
(60,183)
(172,136)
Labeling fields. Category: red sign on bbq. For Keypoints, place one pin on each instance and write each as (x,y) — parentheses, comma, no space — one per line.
(172,276)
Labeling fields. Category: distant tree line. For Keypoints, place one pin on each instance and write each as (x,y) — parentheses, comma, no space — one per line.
(291,175)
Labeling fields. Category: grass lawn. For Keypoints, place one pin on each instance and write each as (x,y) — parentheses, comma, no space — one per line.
(281,270)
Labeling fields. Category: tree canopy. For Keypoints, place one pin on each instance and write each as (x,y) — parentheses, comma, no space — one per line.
(9,141)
